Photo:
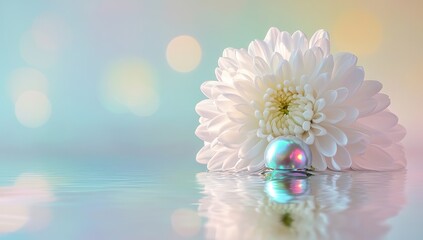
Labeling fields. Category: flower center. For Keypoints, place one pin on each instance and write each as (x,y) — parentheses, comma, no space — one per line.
(283,101)
(286,112)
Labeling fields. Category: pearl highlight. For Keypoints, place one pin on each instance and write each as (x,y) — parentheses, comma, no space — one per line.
(287,153)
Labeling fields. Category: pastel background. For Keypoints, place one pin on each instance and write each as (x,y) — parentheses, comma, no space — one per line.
(112,85)
(104,70)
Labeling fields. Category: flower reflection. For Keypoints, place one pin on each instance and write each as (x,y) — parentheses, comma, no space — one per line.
(17,203)
(348,205)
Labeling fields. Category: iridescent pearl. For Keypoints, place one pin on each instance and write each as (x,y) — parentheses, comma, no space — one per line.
(288,189)
(287,153)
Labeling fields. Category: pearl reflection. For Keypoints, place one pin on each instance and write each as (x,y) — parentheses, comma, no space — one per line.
(287,189)
(321,206)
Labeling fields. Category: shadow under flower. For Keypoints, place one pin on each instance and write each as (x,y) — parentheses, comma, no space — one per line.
(329,205)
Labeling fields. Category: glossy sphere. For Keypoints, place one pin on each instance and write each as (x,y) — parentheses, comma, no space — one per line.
(287,153)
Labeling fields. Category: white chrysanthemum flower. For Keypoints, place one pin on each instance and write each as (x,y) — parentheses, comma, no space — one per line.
(288,85)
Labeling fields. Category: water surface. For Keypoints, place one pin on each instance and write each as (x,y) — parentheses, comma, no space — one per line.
(56,202)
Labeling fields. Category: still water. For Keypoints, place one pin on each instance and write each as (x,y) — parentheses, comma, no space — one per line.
(90,203)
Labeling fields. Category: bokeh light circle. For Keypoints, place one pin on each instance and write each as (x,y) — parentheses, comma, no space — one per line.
(41,45)
(19,204)
(357,31)
(185,222)
(24,79)
(183,53)
(130,85)
(32,109)
(12,217)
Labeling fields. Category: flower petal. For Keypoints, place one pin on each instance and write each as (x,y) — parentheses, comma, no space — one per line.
(319,104)
(245,61)
(207,87)
(229,52)
(230,162)
(332,164)
(334,115)
(308,137)
(383,102)
(218,124)
(357,148)
(351,115)
(254,151)
(276,64)
(330,96)
(320,39)
(300,41)
(246,109)
(376,158)
(366,106)
(369,88)
(309,62)
(241,165)
(206,108)
(339,136)
(261,67)
(224,75)
(272,37)
(237,117)
(259,49)
(227,63)
(231,138)
(353,80)
(234,97)
(318,161)
(380,138)
(203,133)
(326,145)
(397,133)
(342,94)
(354,135)
(205,154)
(397,153)
(319,117)
(257,164)
(318,130)
(297,65)
(216,162)
(325,66)
(283,45)
(381,121)
(342,159)
(343,62)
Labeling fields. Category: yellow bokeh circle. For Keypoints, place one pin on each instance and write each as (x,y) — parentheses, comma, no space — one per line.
(183,53)
(358,32)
